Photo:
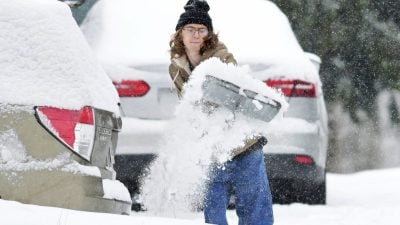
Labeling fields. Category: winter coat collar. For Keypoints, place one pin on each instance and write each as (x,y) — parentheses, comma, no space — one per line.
(183,61)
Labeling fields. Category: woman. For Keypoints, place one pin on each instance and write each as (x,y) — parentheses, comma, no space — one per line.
(194,42)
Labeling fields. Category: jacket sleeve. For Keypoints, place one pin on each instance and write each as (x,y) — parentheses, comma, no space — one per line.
(229,59)
(176,79)
(226,57)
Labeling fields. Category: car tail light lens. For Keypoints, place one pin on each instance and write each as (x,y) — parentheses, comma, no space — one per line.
(294,88)
(74,128)
(303,159)
(131,88)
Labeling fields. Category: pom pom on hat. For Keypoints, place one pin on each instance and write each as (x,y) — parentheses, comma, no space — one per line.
(196,11)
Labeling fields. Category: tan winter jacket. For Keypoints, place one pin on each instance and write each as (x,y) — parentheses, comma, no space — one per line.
(179,71)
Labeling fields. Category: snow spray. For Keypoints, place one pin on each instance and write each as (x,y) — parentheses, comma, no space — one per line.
(199,136)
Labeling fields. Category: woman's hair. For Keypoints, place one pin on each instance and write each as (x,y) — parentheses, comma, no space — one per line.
(178,48)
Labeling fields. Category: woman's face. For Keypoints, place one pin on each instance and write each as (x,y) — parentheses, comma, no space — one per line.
(193,36)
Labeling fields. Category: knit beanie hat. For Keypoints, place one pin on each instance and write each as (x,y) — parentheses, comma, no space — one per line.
(196,11)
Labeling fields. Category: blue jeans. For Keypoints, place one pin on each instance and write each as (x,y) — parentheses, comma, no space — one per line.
(247,177)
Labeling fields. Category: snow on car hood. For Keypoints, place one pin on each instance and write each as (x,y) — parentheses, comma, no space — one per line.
(255,31)
(45,59)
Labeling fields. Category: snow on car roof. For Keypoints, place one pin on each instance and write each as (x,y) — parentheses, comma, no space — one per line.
(45,59)
(255,31)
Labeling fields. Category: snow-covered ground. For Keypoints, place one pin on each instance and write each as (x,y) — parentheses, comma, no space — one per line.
(365,198)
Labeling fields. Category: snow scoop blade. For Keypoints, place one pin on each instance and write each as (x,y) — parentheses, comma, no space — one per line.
(246,102)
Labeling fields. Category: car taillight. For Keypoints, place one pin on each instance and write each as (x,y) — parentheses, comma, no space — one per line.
(131,88)
(303,159)
(74,128)
(293,88)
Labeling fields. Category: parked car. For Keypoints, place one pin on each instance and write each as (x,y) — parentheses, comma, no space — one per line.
(133,46)
(297,149)
(59,114)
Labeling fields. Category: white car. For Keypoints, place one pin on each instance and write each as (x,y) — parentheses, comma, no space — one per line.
(59,114)
(133,46)
(297,150)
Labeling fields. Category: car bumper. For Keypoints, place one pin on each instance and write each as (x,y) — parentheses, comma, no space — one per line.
(284,167)
(130,167)
(59,189)
(284,173)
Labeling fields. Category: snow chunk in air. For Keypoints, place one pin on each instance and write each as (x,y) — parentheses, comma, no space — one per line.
(198,137)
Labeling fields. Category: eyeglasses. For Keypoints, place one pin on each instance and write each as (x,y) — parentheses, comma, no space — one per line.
(192,30)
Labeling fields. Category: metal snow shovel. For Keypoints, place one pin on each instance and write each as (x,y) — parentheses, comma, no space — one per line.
(238,100)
